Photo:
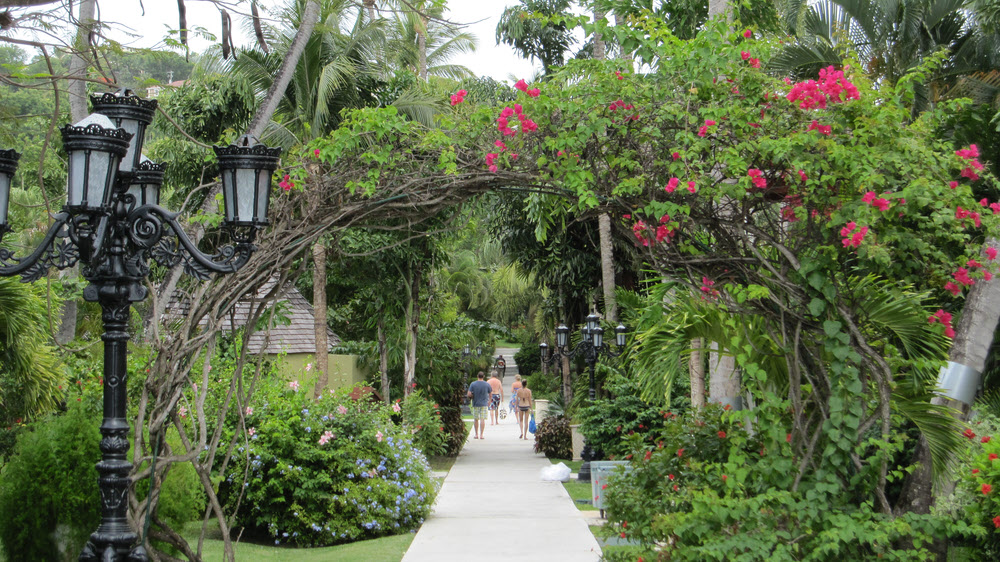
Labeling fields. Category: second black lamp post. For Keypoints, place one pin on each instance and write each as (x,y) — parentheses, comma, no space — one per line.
(591,347)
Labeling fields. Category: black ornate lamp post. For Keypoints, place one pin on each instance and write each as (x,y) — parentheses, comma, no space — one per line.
(113,225)
(591,346)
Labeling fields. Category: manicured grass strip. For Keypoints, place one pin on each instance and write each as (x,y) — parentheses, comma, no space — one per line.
(573,465)
(385,549)
(442,463)
(580,491)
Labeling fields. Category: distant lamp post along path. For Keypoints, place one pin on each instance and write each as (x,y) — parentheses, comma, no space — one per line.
(591,346)
(113,225)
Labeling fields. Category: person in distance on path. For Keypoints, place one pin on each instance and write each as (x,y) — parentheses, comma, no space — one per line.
(524,403)
(513,398)
(496,397)
(479,391)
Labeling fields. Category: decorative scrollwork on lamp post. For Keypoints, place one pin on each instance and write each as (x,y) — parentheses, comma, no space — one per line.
(113,226)
(591,347)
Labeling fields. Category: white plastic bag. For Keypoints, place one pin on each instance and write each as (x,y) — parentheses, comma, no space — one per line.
(556,473)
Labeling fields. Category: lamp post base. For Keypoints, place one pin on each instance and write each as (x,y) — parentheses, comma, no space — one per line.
(583,475)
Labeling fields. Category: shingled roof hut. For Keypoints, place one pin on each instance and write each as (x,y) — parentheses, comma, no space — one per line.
(296,339)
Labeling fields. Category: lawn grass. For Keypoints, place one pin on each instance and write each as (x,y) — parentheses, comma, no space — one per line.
(441,463)
(580,491)
(385,549)
(510,344)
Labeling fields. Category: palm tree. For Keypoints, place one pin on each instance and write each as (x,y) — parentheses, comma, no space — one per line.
(890,37)
(424,43)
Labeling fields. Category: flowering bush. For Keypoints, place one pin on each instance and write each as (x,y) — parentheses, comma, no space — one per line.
(705,489)
(980,481)
(606,423)
(328,471)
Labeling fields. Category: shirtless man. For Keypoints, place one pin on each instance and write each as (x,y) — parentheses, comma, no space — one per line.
(496,397)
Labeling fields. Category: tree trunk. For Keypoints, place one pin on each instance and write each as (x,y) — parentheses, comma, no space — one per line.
(567,382)
(716,7)
(267,108)
(370,6)
(607,268)
(277,90)
(383,357)
(973,339)
(696,370)
(412,325)
(422,49)
(79,62)
(321,363)
(724,379)
(599,50)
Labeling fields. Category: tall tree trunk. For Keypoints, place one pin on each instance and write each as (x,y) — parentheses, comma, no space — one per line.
(383,357)
(422,49)
(716,7)
(599,50)
(724,379)
(567,382)
(696,370)
(319,314)
(79,63)
(370,6)
(412,326)
(970,347)
(310,17)
(607,268)
(280,83)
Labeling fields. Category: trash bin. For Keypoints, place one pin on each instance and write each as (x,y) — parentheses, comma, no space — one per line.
(599,472)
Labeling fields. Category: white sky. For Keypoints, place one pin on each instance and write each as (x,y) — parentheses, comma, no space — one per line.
(160,15)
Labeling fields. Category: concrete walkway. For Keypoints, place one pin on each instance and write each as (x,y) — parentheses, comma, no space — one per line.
(494,506)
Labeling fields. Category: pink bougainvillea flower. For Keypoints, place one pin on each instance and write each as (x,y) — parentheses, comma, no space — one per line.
(985,439)
(502,123)
(823,129)
(493,168)
(968,433)
(672,184)
(744,55)
(521,85)
(506,112)
(803,176)
(675,155)
(458,97)
(991,253)
(973,263)
(754,125)
(975,471)
(670,476)
(869,196)
(832,87)
(534,92)
(996,521)
(709,122)
(663,232)
(986,489)
(618,75)
(491,158)
(724,477)
(757,177)
(680,452)
(316,152)
(518,109)
(499,144)
(992,457)
(968,153)
(952,288)
(962,276)
(649,454)
(702,131)
(881,204)
(747,34)
(754,63)
(691,187)
(722,435)
(953,184)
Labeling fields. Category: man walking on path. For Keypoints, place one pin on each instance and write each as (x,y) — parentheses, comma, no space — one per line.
(496,397)
(479,391)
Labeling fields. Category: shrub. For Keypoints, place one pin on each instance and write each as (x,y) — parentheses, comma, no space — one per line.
(326,471)
(553,438)
(704,489)
(50,482)
(980,483)
(528,359)
(422,420)
(606,421)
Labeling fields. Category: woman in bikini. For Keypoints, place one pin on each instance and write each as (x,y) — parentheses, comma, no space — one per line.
(524,403)
(513,398)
